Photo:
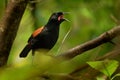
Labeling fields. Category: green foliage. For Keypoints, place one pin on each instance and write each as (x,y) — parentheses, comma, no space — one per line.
(88,19)
(42,65)
(107,67)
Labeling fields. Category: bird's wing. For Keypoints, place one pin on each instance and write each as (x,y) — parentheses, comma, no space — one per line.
(35,33)
(38,31)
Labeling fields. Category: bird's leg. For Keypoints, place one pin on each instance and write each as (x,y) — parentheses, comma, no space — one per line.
(33,53)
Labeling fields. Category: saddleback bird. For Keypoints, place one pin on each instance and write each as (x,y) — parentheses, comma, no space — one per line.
(44,37)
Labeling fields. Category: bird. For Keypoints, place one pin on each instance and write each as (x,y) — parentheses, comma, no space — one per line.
(46,36)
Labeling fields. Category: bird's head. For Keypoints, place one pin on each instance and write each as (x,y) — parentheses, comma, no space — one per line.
(57,17)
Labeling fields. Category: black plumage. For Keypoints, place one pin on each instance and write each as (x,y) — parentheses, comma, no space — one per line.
(46,36)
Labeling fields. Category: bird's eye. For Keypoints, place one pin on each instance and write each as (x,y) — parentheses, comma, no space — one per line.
(60,17)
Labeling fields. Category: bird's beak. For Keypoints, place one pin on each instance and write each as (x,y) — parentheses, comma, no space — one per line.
(65,18)
(66,12)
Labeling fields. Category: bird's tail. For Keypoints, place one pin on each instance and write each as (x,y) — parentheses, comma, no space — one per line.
(25,51)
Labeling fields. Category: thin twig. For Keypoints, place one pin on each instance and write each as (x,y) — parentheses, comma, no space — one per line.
(64,40)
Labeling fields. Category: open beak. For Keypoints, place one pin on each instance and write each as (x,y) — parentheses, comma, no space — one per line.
(61,17)
(66,12)
(65,18)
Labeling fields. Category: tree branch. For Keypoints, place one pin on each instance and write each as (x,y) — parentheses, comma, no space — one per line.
(9,26)
(103,38)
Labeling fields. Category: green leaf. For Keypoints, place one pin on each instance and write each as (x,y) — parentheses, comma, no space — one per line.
(107,67)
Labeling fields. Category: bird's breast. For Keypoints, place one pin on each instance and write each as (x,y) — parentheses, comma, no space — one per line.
(51,39)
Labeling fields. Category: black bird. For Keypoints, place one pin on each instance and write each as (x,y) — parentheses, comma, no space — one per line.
(44,37)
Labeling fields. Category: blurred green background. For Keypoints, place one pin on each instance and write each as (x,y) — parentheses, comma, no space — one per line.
(88,19)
